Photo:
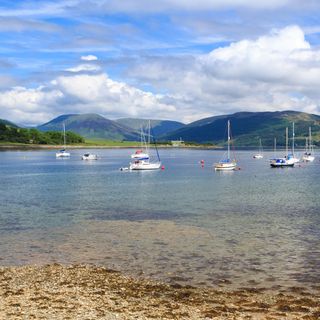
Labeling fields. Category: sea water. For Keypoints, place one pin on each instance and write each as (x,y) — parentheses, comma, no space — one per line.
(256,226)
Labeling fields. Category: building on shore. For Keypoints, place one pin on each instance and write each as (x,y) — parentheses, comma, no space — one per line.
(177,143)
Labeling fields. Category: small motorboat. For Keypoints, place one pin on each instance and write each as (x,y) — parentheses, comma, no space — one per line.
(89,156)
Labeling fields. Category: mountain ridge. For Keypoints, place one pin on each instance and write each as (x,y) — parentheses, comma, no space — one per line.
(90,126)
(159,127)
(248,127)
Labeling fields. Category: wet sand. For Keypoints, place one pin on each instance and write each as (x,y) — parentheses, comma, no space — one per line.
(88,292)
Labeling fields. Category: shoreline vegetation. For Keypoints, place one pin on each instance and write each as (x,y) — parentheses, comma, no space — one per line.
(104,144)
(57,291)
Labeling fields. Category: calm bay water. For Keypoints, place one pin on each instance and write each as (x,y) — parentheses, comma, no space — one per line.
(254,227)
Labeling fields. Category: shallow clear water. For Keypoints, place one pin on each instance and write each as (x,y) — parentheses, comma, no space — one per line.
(257,226)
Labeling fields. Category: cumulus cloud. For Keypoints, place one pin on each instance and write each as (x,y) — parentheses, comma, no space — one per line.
(277,71)
(79,94)
(84,68)
(89,57)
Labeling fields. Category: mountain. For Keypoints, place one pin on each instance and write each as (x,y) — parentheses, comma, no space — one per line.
(92,126)
(8,123)
(159,127)
(248,127)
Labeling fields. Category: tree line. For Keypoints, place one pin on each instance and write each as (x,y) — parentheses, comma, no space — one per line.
(34,136)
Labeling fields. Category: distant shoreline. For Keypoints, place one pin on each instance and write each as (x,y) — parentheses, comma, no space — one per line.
(13,146)
(56,147)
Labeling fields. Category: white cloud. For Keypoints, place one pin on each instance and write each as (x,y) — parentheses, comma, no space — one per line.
(84,67)
(29,106)
(80,93)
(277,71)
(89,57)
(253,75)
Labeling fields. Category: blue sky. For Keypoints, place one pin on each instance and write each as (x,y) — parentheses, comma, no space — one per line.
(169,59)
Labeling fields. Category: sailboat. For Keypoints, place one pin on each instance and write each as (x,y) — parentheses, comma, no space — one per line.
(63,153)
(308,155)
(286,161)
(259,155)
(292,155)
(141,158)
(227,164)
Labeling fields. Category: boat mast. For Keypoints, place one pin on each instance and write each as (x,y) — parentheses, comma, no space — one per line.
(293,134)
(228,139)
(287,141)
(260,146)
(310,141)
(64,135)
(275,146)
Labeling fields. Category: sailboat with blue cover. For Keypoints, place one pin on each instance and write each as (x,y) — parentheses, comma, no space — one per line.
(226,164)
(286,161)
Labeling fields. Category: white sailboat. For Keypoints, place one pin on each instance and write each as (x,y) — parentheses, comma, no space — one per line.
(227,164)
(141,158)
(259,155)
(63,153)
(286,161)
(308,155)
(292,156)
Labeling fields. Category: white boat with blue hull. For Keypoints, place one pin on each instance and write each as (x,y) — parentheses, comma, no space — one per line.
(227,164)
(287,161)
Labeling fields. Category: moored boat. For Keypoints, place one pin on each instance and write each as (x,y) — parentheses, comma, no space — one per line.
(259,155)
(63,152)
(89,156)
(308,155)
(141,158)
(227,164)
(286,161)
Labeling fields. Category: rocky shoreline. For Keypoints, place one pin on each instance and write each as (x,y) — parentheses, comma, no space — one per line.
(88,292)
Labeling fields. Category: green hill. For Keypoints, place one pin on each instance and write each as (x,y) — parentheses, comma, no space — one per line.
(159,127)
(91,126)
(14,134)
(248,127)
(8,123)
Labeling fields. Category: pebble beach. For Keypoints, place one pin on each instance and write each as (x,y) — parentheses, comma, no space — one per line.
(56,291)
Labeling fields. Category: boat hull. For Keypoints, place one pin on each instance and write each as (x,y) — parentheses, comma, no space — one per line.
(281,163)
(145,166)
(225,166)
(308,158)
(258,156)
(90,157)
(62,155)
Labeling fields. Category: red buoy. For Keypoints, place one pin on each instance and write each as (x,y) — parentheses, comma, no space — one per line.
(162,168)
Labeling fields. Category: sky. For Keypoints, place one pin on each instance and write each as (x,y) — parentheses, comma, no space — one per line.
(168,59)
